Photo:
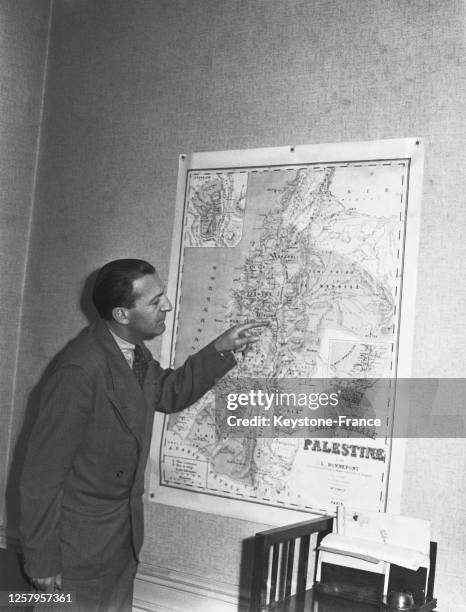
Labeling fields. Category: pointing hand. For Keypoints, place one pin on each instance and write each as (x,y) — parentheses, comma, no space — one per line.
(238,337)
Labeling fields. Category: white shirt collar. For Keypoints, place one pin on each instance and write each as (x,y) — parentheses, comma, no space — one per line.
(123,344)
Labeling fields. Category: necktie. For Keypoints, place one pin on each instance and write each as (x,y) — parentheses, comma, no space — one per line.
(139,365)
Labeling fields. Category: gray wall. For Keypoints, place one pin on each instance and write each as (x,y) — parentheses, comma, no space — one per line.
(133,84)
(23,38)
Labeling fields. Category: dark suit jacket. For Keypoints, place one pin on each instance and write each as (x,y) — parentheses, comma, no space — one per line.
(83,478)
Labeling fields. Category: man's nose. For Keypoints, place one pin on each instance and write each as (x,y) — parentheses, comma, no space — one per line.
(167,305)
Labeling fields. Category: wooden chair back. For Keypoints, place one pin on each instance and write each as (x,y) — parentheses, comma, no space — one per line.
(277,561)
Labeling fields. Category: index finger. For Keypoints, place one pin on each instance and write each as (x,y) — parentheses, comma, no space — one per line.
(245,326)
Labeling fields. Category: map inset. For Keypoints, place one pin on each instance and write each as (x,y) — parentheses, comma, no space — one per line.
(317,250)
(215,209)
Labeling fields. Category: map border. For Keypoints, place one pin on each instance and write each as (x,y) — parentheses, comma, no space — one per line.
(411,149)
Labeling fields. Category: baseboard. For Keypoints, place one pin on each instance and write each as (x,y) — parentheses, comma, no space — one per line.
(160,590)
(157,589)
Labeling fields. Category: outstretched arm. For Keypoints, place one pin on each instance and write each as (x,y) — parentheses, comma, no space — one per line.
(178,389)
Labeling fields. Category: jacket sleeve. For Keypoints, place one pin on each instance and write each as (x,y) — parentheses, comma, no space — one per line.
(64,411)
(178,389)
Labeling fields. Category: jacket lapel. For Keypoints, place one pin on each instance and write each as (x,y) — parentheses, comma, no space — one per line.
(123,389)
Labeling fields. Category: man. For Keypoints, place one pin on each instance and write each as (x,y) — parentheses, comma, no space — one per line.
(83,478)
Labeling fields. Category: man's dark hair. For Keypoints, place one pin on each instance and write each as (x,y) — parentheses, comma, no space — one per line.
(113,286)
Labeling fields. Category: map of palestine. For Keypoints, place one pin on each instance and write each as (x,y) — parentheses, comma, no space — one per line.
(317,250)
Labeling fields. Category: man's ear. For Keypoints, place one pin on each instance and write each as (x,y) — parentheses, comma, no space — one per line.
(120,315)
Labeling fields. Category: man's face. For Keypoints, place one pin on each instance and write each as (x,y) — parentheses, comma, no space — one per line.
(146,318)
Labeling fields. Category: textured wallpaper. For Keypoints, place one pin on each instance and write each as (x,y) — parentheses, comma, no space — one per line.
(23,37)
